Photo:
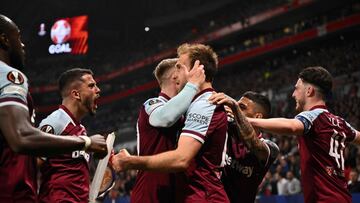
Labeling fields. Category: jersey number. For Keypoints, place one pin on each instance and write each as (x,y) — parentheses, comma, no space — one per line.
(337,146)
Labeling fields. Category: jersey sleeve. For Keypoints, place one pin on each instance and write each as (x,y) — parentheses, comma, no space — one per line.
(167,114)
(351,132)
(307,118)
(151,104)
(53,124)
(13,88)
(273,152)
(198,119)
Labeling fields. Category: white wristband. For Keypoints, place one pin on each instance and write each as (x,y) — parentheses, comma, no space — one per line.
(87,141)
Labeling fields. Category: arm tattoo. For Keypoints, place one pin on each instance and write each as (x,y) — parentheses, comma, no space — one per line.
(247,134)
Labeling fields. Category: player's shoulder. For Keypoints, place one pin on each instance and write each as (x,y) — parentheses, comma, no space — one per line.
(272,145)
(151,104)
(312,115)
(10,75)
(154,101)
(55,123)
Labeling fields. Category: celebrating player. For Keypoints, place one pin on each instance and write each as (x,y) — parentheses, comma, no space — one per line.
(200,151)
(66,177)
(18,137)
(158,126)
(322,138)
(248,156)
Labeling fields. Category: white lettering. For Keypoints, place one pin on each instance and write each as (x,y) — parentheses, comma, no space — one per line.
(59,48)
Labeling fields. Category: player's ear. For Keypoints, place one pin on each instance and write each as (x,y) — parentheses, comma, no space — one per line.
(75,94)
(310,90)
(4,41)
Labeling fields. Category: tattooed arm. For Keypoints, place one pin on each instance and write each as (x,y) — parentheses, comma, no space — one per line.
(244,130)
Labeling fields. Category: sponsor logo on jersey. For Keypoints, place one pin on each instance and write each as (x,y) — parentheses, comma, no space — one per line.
(196,117)
(247,171)
(47,129)
(15,77)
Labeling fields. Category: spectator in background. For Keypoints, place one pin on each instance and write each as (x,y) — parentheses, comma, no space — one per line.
(282,183)
(354,184)
(293,185)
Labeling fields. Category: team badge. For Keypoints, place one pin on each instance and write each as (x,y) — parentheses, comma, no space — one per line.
(154,101)
(15,77)
(47,129)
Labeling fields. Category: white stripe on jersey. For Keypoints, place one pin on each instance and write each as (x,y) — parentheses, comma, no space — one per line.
(8,103)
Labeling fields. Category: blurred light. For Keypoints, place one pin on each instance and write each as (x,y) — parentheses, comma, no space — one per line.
(42,30)
(147,29)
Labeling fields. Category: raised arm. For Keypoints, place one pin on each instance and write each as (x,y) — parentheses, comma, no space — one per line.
(23,138)
(170,161)
(167,114)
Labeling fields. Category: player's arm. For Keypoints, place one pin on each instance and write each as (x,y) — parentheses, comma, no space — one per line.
(170,161)
(279,126)
(357,138)
(243,129)
(167,114)
(22,137)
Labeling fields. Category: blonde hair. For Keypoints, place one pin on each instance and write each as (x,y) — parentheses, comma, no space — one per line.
(205,54)
(162,69)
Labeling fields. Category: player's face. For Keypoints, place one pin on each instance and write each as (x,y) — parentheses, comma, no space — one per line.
(182,68)
(89,94)
(299,95)
(247,106)
(16,48)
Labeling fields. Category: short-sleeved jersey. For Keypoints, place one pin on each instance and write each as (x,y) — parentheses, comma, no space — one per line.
(154,186)
(322,155)
(243,171)
(207,123)
(64,178)
(17,171)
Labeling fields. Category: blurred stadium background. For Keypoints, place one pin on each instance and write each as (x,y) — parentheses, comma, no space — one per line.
(262,46)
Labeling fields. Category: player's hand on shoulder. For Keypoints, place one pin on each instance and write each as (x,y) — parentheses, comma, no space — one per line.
(118,161)
(221,98)
(98,146)
(196,75)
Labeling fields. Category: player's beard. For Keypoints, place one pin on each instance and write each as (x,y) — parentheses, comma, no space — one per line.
(299,106)
(17,60)
(90,106)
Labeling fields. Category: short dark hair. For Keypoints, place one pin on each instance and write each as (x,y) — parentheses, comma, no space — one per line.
(205,54)
(68,77)
(262,101)
(319,77)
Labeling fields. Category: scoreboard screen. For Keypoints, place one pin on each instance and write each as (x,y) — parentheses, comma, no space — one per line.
(64,36)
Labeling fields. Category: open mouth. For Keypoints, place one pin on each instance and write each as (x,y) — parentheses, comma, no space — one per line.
(95,103)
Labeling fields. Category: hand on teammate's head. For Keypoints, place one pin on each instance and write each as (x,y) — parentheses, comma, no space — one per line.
(196,75)
(98,146)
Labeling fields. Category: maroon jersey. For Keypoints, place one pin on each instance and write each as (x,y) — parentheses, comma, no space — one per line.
(207,123)
(64,178)
(322,155)
(17,172)
(243,171)
(154,186)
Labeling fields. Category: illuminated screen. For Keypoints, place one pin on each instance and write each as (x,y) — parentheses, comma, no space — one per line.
(65,35)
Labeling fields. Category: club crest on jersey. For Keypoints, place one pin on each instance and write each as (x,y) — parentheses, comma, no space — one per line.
(15,77)
(47,129)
